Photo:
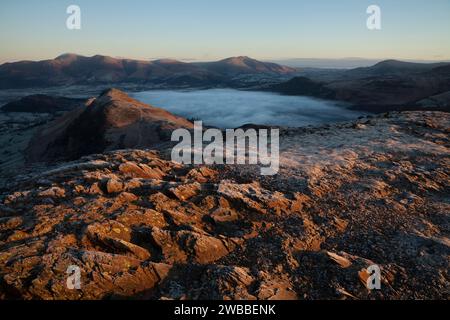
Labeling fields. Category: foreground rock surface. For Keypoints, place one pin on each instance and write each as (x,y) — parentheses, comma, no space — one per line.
(347,196)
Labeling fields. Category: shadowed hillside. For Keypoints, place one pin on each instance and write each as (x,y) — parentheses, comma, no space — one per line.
(111,121)
(387,86)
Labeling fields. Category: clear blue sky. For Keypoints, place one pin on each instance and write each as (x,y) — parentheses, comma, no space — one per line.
(211,29)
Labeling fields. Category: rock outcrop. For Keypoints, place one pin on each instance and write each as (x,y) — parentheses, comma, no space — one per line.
(347,196)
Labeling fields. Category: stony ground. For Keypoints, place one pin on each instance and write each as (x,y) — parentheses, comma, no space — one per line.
(347,196)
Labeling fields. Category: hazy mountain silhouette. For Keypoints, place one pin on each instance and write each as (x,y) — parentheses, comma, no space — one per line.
(388,85)
(393,67)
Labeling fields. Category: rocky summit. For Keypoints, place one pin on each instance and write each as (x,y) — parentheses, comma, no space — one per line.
(348,196)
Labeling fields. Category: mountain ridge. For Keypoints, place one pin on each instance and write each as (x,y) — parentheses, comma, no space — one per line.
(386,86)
(70,68)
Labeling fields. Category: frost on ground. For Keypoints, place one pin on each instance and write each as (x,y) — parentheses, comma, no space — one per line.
(347,196)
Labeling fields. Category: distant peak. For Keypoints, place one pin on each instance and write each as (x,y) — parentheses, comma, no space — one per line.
(67,56)
(167,61)
(389,61)
(103,58)
(114,94)
(392,62)
(239,59)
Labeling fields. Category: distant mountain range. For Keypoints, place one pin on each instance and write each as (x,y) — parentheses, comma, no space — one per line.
(70,69)
(342,63)
(394,67)
(388,85)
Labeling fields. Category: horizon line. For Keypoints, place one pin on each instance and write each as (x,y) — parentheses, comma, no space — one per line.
(267,59)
